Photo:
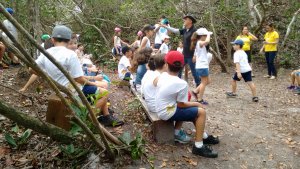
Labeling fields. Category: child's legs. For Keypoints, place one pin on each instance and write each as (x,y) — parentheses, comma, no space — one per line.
(293,77)
(298,78)
(233,86)
(204,82)
(200,124)
(103,84)
(253,88)
(32,79)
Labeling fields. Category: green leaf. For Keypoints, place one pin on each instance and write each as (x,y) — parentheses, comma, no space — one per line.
(24,138)
(10,140)
(71,148)
(125,138)
(75,129)
(15,129)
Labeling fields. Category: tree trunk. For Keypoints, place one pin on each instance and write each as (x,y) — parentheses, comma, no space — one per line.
(288,30)
(35,28)
(26,121)
(252,13)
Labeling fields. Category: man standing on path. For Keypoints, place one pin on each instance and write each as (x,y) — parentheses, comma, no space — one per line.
(188,53)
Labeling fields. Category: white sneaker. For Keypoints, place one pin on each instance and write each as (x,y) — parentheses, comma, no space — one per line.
(272,77)
(267,76)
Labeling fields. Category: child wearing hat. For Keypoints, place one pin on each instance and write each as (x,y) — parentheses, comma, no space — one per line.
(164,48)
(243,70)
(172,104)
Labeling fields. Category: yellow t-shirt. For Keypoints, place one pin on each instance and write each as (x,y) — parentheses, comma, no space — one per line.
(271,37)
(247,41)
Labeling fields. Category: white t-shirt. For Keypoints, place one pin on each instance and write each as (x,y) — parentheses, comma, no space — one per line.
(179,49)
(123,65)
(159,34)
(67,58)
(149,90)
(170,90)
(148,43)
(11,28)
(118,41)
(164,48)
(201,57)
(241,57)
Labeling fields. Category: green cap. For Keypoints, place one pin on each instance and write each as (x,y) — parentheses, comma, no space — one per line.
(45,37)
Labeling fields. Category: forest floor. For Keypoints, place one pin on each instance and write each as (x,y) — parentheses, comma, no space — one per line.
(252,135)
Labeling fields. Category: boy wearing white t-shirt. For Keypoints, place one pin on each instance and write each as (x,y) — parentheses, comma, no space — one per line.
(243,70)
(164,48)
(172,104)
(124,65)
(61,35)
(156,67)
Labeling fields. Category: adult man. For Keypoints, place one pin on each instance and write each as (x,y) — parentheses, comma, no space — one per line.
(61,35)
(11,28)
(188,53)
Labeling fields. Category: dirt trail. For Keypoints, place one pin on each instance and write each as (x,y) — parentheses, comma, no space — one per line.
(253,135)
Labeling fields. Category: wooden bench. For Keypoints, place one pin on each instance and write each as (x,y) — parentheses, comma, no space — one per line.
(163,131)
(57,113)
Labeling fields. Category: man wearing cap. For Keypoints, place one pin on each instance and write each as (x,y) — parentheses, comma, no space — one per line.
(61,35)
(188,53)
(160,31)
(12,29)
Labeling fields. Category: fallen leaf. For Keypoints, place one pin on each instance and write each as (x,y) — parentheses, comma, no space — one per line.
(164,164)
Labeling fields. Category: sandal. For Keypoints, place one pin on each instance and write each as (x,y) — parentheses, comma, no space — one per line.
(230,94)
(203,102)
(255,99)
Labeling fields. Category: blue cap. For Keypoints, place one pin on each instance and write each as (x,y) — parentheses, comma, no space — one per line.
(9,10)
(165,21)
(238,42)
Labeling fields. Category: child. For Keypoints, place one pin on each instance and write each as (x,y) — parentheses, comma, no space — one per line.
(294,75)
(164,48)
(118,42)
(61,35)
(202,37)
(243,70)
(137,42)
(141,59)
(124,66)
(172,104)
(180,47)
(148,31)
(156,67)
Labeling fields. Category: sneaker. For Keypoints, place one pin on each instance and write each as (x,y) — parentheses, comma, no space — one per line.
(182,137)
(272,77)
(296,90)
(110,121)
(203,102)
(291,87)
(211,140)
(267,76)
(230,94)
(204,151)
(255,99)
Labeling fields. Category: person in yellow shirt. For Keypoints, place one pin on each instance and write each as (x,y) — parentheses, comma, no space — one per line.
(270,48)
(247,37)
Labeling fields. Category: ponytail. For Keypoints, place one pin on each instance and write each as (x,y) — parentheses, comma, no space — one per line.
(194,39)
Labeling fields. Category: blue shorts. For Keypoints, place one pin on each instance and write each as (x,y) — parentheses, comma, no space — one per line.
(246,76)
(185,114)
(202,72)
(87,89)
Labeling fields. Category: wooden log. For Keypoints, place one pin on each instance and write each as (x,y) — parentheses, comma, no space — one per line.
(35,124)
(57,113)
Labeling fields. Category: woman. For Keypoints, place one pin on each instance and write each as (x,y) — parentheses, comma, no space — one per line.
(118,42)
(137,42)
(247,37)
(270,48)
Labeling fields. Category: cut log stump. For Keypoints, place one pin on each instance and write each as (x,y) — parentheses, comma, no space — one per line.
(57,113)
